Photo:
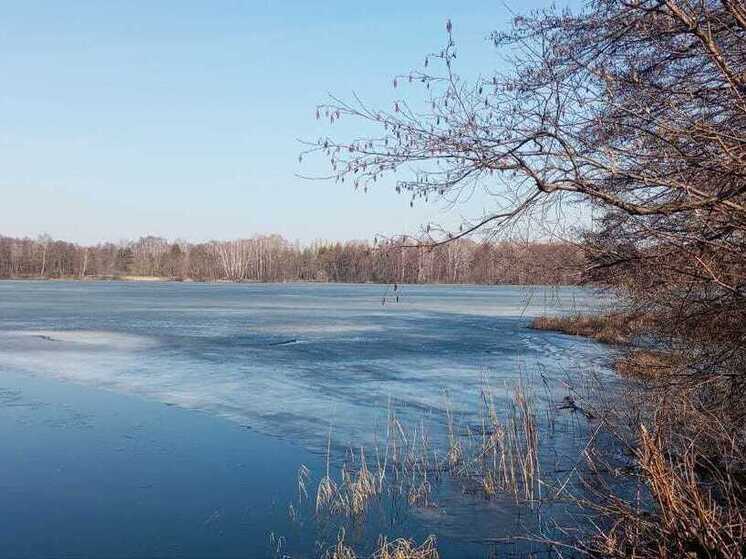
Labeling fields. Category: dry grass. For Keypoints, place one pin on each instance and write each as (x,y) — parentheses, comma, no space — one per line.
(612,328)
(400,548)
(691,520)
(500,459)
(697,510)
(677,490)
(648,364)
(691,504)
(341,550)
(506,459)
(403,466)
(682,457)
(406,549)
(358,485)
(357,488)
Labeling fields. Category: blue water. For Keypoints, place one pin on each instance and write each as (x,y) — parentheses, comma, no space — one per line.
(167,419)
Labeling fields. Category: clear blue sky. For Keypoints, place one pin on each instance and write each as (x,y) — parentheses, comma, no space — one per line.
(125,118)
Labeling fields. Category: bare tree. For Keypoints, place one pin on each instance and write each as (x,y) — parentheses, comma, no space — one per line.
(43,242)
(636,109)
(272,258)
(234,257)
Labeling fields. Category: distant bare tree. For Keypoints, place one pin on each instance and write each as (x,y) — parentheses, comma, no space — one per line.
(43,242)
(235,258)
(272,258)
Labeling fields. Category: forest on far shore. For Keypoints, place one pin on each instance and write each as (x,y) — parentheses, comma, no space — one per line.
(272,258)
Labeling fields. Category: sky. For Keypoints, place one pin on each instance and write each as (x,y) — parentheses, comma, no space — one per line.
(183,119)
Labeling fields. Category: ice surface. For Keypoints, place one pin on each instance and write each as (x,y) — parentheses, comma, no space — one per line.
(289,360)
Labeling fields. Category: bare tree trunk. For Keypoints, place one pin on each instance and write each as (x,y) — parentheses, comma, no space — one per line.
(85,263)
(43,260)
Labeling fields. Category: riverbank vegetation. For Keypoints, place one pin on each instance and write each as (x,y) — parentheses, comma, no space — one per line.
(272,258)
(618,329)
(636,111)
(498,451)
(611,328)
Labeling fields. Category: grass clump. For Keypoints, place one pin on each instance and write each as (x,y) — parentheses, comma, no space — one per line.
(400,548)
(617,329)
(697,507)
(611,328)
(647,364)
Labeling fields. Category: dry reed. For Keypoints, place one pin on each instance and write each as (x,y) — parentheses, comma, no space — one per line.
(612,328)
(400,548)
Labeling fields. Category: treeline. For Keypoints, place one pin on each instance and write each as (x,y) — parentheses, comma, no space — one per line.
(272,258)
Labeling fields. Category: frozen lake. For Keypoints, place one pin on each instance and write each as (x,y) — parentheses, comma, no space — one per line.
(162,419)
